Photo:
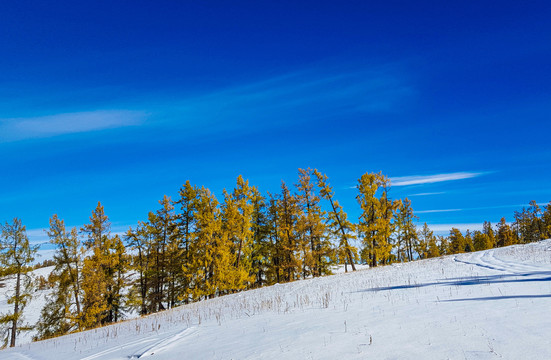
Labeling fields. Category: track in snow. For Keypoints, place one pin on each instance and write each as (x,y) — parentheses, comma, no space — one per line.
(489,260)
(165,344)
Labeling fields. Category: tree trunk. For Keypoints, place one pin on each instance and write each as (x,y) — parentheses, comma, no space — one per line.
(348,252)
(15,309)
(373,255)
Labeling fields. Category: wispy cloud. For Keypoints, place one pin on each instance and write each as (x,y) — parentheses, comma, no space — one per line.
(429,179)
(316,93)
(302,96)
(427,193)
(470,209)
(68,123)
(437,211)
(369,91)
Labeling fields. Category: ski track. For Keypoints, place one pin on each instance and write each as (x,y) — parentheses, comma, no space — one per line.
(117,348)
(164,344)
(489,260)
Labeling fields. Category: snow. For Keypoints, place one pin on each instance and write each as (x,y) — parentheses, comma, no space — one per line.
(32,311)
(485,305)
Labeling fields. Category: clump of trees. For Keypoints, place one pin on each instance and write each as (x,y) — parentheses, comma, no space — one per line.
(196,247)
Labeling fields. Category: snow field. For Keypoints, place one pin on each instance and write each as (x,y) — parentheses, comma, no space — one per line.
(486,305)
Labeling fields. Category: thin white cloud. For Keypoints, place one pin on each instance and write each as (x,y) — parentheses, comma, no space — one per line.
(427,193)
(469,209)
(70,123)
(429,179)
(317,93)
(437,211)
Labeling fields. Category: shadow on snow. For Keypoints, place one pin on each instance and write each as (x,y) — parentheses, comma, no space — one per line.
(500,298)
(474,280)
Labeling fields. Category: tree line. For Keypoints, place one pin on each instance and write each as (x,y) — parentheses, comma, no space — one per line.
(196,247)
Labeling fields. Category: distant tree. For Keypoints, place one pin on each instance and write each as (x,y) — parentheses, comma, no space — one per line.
(406,231)
(185,219)
(288,210)
(504,235)
(102,272)
(375,226)
(338,224)
(469,246)
(62,312)
(522,226)
(16,257)
(166,259)
(443,245)
(427,246)
(210,251)
(272,249)
(120,263)
(95,270)
(528,224)
(237,218)
(457,241)
(318,253)
(175,252)
(489,232)
(261,245)
(546,222)
(434,250)
(481,241)
(537,228)
(140,241)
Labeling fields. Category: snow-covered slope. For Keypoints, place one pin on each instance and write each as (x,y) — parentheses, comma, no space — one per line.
(486,305)
(32,311)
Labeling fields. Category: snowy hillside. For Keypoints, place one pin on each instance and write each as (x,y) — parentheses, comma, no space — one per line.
(32,311)
(486,305)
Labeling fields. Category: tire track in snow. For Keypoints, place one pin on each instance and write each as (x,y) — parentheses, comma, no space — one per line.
(489,260)
(512,266)
(477,264)
(164,344)
(116,348)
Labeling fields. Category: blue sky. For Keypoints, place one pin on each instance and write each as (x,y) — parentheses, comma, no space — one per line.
(122,102)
